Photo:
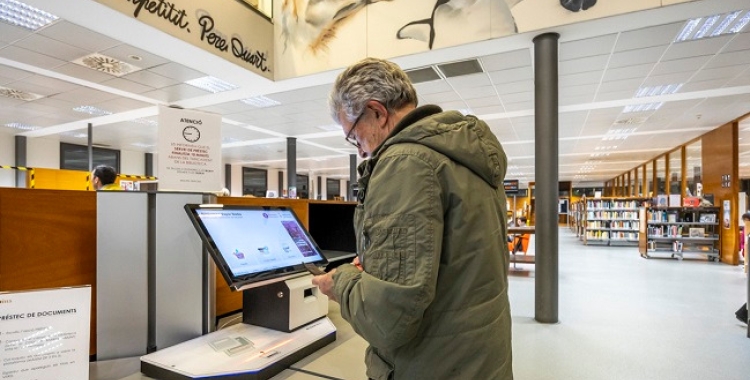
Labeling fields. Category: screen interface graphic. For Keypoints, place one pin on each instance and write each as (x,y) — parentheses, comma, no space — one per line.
(254,241)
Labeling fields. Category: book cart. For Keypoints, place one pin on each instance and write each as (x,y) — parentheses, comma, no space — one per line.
(676,231)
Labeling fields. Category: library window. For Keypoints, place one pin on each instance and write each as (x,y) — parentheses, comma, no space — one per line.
(76,157)
(333,189)
(254,182)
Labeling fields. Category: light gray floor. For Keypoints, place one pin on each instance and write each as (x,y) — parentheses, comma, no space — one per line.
(621,317)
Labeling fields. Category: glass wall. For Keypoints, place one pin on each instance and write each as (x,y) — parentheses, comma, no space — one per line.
(649,190)
(661,176)
(675,173)
(254,182)
(693,164)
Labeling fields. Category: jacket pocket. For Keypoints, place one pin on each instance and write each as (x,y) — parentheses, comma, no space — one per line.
(377,367)
(391,256)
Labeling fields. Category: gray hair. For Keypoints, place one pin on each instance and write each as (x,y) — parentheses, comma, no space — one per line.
(370,79)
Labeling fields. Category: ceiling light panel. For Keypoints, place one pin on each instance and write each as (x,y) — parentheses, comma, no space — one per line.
(21,126)
(211,84)
(91,110)
(261,102)
(19,14)
(714,25)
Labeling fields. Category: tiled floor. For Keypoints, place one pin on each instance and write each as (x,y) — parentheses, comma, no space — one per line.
(621,317)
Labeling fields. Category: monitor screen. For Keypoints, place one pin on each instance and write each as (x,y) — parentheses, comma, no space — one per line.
(255,245)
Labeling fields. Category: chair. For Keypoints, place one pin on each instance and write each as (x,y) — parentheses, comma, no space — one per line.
(520,243)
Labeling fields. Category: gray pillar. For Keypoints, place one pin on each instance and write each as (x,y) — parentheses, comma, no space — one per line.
(228,177)
(291,164)
(89,132)
(20,161)
(546,174)
(352,177)
(320,188)
(149,163)
(281,183)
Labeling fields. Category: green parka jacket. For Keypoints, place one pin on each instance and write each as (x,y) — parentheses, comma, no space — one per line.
(432,300)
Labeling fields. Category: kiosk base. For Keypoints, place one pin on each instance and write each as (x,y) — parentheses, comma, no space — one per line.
(239,352)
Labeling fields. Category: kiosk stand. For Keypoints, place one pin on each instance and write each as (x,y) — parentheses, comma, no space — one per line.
(282,323)
(265,252)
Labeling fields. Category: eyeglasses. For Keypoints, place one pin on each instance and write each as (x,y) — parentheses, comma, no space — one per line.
(349,138)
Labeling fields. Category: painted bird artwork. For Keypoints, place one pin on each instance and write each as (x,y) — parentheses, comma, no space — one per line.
(448,14)
(312,24)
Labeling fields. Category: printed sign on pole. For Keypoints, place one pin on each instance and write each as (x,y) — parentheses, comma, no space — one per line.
(44,334)
(189,150)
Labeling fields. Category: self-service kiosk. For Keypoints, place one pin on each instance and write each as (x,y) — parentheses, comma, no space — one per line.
(263,252)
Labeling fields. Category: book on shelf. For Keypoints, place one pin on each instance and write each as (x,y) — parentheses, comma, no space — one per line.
(696,232)
(708,218)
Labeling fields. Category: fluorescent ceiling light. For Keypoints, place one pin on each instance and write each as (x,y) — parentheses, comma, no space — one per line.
(142,145)
(211,84)
(667,89)
(91,110)
(19,14)
(260,102)
(642,107)
(149,122)
(712,26)
(21,126)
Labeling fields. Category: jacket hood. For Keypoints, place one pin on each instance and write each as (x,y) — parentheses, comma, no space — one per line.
(464,139)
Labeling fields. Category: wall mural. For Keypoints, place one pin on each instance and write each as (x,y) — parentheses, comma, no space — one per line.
(318,35)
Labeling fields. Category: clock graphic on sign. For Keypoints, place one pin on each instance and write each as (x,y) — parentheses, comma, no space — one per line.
(191,133)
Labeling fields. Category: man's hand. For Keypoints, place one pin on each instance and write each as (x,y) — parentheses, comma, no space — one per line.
(325,284)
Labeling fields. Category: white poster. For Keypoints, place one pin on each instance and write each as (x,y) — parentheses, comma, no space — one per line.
(44,334)
(189,150)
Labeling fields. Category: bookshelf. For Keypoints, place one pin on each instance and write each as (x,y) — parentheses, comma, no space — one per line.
(676,231)
(611,221)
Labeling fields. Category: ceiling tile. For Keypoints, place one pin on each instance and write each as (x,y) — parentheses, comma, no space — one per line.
(175,93)
(10,33)
(512,75)
(177,72)
(690,64)
(660,35)
(507,60)
(75,35)
(660,80)
(84,96)
(630,85)
(477,92)
(124,53)
(54,85)
(579,79)
(490,101)
(637,57)
(510,88)
(432,87)
(127,85)
(580,65)
(29,57)
(741,57)
(601,45)
(53,48)
(147,78)
(727,73)
(627,72)
(15,74)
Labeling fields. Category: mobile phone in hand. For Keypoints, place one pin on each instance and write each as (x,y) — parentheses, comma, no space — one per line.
(314,269)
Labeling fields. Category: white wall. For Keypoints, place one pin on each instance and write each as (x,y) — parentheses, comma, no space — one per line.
(132,163)
(236,189)
(7,157)
(42,153)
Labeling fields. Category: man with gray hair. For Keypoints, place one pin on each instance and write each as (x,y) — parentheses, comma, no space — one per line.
(429,288)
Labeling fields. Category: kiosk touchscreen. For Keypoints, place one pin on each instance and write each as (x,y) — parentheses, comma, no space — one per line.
(255,245)
(268,254)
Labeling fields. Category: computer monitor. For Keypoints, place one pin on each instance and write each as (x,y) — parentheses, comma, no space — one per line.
(255,245)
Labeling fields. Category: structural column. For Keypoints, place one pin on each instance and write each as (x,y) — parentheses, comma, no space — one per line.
(20,161)
(352,177)
(291,164)
(546,174)
(90,133)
